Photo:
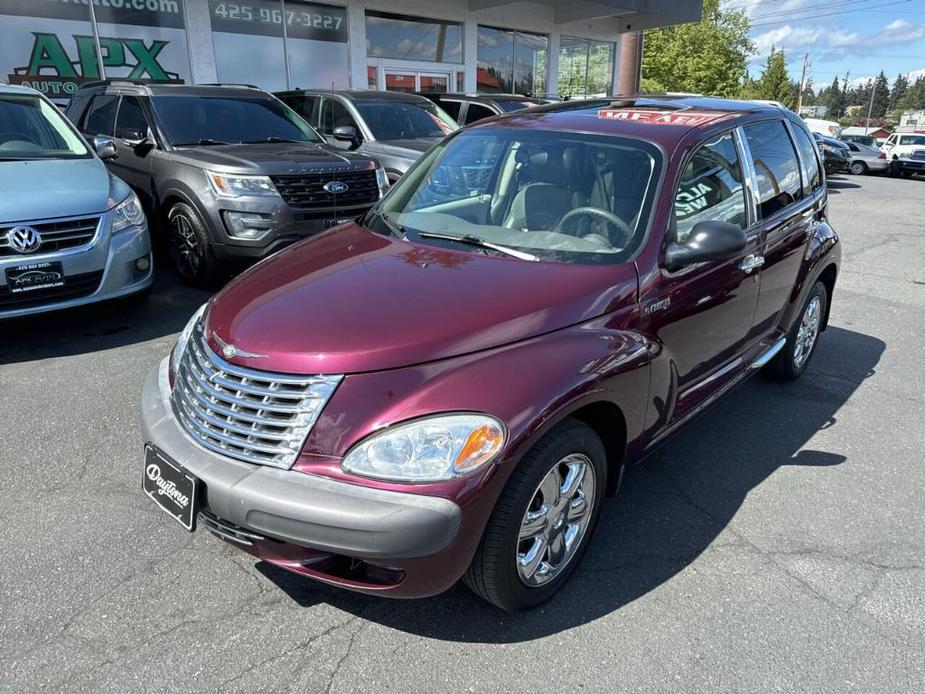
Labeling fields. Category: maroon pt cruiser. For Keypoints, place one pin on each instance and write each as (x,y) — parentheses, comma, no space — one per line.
(448,387)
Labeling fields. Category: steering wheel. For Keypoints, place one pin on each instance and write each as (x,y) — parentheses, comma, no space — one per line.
(610,217)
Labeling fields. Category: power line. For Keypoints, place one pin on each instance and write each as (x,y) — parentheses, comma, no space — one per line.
(811,8)
(827,14)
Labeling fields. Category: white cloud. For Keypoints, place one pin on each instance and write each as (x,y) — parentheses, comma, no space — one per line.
(825,43)
(915,74)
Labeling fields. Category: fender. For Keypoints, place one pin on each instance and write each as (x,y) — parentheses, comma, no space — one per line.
(822,251)
(177,188)
(530,386)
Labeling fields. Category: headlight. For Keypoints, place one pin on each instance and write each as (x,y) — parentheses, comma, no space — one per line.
(127,213)
(183,339)
(235,186)
(382,180)
(428,450)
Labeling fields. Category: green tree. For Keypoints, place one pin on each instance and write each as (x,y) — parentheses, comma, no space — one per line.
(900,86)
(774,83)
(914,98)
(881,96)
(835,101)
(706,57)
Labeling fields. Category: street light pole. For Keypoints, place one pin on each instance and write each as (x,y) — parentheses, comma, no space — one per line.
(870,107)
(96,41)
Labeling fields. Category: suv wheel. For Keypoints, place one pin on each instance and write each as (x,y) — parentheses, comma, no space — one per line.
(543,520)
(790,363)
(858,168)
(189,247)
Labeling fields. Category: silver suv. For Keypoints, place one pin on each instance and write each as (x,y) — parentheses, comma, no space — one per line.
(70,232)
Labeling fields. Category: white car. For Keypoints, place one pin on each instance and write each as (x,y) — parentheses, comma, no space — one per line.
(900,145)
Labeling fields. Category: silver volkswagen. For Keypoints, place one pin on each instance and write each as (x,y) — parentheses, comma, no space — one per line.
(70,232)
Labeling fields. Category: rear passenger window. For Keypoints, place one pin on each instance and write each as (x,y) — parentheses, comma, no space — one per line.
(775,163)
(710,188)
(476,112)
(101,115)
(813,179)
(303,105)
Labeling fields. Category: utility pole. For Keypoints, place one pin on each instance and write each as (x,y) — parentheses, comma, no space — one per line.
(870,107)
(802,83)
(96,41)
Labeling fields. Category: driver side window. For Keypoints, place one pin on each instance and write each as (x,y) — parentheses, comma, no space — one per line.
(711,188)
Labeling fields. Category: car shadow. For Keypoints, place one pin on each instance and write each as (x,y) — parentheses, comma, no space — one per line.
(105,325)
(670,510)
(837,184)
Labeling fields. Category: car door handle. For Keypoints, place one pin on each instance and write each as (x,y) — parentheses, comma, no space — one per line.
(751,262)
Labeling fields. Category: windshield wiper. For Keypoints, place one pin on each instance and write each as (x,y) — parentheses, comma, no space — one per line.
(394,227)
(481,243)
(273,139)
(204,141)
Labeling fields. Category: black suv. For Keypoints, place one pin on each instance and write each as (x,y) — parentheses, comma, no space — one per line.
(393,127)
(233,172)
(469,108)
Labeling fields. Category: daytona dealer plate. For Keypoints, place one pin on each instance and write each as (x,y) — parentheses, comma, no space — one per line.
(170,487)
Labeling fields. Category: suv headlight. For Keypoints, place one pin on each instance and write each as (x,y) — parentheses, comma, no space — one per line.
(128,213)
(235,186)
(436,448)
(183,339)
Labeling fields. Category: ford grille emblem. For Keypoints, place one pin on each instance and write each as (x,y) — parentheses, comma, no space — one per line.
(335,187)
(24,239)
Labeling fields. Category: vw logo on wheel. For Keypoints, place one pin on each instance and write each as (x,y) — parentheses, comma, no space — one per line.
(335,187)
(24,239)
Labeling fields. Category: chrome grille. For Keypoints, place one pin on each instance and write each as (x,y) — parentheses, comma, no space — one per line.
(255,416)
(56,235)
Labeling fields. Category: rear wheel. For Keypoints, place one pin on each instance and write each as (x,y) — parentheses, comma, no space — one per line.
(189,247)
(790,363)
(858,168)
(543,520)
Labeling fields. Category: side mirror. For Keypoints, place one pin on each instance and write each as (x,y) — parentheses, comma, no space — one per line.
(345,133)
(713,240)
(105,147)
(134,137)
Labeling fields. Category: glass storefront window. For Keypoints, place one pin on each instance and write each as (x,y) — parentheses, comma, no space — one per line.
(49,46)
(409,38)
(511,61)
(248,41)
(585,66)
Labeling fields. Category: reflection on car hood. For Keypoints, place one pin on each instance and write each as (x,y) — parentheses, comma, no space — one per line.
(269,158)
(349,301)
(48,188)
(412,148)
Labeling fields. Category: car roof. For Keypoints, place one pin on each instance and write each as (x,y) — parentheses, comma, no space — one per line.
(161,88)
(357,94)
(16,89)
(485,97)
(666,119)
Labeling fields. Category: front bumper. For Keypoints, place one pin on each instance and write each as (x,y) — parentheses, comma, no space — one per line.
(912,165)
(113,255)
(305,517)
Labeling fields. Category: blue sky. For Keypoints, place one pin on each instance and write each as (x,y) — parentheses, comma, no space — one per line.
(861,37)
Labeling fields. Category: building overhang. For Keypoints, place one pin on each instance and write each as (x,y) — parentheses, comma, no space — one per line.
(633,15)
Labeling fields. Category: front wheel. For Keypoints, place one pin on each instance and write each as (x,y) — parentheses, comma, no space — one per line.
(543,520)
(858,168)
(189,247)
(790,363)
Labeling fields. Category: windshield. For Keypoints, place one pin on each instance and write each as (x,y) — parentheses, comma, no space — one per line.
(30,128)
(561,196)
(404,120)
(193,120)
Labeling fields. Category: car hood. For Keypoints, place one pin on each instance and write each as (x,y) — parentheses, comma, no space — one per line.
(408,148)
(350,301)
(44,189)
(271,158)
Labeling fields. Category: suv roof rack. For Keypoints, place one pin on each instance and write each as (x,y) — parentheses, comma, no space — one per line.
(227,84)
(106,83)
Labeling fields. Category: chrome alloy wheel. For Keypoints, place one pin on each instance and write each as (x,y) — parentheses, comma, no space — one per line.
(184,246)
(556,520)
(808,332)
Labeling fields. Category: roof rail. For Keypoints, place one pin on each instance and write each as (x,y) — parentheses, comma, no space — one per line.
(227,84)
(106,83)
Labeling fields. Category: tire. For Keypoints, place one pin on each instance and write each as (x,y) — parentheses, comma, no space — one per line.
(190,249)
(790,363)
(894,167)
(495,573)
(858,168)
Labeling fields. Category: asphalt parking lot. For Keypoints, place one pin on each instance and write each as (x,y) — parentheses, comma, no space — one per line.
(778,544)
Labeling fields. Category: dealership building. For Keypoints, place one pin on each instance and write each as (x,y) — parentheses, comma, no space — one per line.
(565,48)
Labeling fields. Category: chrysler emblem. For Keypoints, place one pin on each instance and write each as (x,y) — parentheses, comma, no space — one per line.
(335,187)
(229,351)
(24,239)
